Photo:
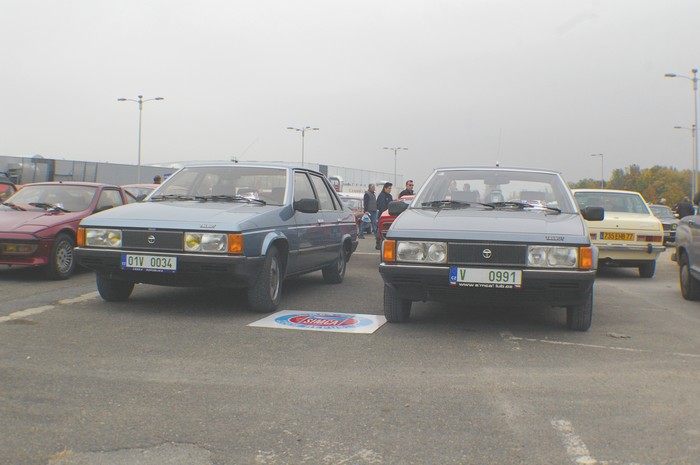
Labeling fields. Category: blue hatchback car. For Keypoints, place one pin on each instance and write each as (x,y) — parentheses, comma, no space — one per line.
(227,225)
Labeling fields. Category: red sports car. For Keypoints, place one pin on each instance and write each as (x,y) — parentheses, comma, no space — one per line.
(38,224)
(385,219)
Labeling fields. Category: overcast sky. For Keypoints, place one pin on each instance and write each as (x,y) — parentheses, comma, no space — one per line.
(537,83)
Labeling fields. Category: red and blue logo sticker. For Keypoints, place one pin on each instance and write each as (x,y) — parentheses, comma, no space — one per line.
(323,321)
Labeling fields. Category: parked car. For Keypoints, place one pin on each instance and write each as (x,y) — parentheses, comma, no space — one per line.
(39,223)
(669,221)
(443,247)
(355,203)
(389,215)
(7,188)
(687,255)
(139,191)
(630,235)
(227,225)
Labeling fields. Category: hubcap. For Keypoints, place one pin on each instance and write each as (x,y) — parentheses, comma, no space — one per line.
(274,280)
(64,257)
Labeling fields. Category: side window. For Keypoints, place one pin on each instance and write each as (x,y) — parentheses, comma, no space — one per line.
(324,196)
(302,187)
(109,198)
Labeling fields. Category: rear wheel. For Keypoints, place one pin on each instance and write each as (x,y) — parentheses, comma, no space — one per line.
(335,272)
(61,260)
(265,294)
(113,290)
(690,287)
(647,270)
(396,309)
(579,317)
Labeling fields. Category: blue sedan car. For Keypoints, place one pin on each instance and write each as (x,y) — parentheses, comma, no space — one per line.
(227,225)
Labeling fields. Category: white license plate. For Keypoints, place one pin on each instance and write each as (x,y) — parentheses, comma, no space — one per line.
(485,277)
(157,263)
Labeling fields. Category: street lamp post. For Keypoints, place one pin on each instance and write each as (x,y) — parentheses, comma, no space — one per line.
(140,101)
(692,154)
(694,80)
(395,149)
(602,171)
(302,131)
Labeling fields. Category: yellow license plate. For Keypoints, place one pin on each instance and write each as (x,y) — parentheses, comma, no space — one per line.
(616,236)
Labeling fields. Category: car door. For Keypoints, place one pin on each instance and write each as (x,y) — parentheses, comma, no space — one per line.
(332,216)
(309,244)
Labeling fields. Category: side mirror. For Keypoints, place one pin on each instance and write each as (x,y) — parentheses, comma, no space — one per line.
(593,213)
(396,207)
(306,205)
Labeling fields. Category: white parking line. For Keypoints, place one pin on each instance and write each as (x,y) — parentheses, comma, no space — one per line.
(593,346)
(37,310)
(575,447)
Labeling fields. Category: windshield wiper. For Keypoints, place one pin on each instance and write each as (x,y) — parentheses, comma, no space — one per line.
(172,197)
(228,198)
(13,206)
(453,203)
(48,206)
(523,206)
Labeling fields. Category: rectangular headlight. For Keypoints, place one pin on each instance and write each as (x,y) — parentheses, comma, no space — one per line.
(421,251)
(545,256)
(206,242)
(103,237)
(14,248)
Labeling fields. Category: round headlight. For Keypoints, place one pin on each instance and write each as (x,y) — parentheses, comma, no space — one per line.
(437,252)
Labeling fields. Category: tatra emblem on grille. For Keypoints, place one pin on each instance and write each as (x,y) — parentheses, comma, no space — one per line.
(151,239)
(486,253)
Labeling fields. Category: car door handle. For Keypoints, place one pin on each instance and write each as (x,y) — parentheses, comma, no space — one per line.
(320,220)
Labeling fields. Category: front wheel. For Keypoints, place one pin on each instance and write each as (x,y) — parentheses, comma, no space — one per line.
(579,317)
(396,309)
(265,294)
(335,272)
(647,270)
(113,290)
(61,260)
(690,287)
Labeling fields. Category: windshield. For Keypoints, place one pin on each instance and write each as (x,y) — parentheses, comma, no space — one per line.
(495,188)
(62,196)
(225,183)
(662,212)
(620,202)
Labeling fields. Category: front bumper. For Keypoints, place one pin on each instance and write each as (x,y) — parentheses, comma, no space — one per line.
(431,283)
(628,255)
(199,270)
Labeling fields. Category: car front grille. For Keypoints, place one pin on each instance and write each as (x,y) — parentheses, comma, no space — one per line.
(152,240)
(487,253)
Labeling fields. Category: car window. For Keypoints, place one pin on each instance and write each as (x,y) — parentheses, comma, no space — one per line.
(620,202)
(302,187)
(324,196)
(109,198)
(261,183)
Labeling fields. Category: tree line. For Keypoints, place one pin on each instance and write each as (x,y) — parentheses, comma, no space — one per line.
(655,183)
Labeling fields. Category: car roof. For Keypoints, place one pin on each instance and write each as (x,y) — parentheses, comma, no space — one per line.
(70,183)
(613,191)
(495,168)
(248,165)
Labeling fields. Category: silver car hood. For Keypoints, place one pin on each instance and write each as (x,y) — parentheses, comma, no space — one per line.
(536,225)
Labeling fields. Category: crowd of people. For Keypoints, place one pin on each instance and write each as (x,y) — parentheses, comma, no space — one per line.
(374,205)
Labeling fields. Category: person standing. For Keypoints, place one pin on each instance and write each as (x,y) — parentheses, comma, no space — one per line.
(685,208)
(369,206)
(408,190)
(383,200)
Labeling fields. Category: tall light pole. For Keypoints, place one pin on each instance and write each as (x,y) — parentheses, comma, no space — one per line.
(602,171)
(395,149)
(692,153)
(140,101)
(694,80)
(302,131)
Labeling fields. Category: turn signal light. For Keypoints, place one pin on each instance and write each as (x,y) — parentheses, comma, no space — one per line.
(235,244)
(585,256)
(389,250)
(80,238)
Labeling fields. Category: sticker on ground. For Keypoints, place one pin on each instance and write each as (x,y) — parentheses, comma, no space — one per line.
(322,321)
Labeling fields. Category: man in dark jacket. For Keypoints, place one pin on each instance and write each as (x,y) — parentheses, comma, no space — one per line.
(408,190)
(369,203)
(383,200)
(685,208)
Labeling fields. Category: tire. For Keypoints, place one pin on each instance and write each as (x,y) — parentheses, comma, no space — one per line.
(690,287)
(61,259)
(113,290)
(579,317)
(265,294)
(647,270)
(334,273)
(396,309)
